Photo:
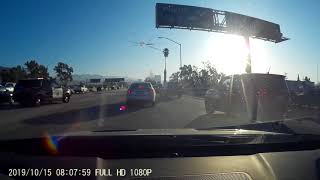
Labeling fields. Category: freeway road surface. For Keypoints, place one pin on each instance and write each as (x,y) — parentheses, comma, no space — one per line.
(98,111)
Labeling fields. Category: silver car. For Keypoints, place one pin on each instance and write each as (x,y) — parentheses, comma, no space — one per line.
(142,92)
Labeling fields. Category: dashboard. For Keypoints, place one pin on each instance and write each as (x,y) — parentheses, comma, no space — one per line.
(288,165)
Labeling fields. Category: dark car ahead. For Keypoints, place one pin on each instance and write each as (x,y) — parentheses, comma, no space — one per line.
(264,96)
(36,91)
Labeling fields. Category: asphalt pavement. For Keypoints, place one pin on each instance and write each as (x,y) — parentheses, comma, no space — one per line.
(108,110)
(97,111)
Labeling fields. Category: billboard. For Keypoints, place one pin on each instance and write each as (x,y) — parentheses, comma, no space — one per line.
(95,80)
(171,15)
(205,19)
(252,27)
(114,80)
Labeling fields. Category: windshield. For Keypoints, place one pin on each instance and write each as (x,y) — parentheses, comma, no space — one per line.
(137,64)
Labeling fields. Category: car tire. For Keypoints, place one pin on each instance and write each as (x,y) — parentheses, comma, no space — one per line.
(66,99)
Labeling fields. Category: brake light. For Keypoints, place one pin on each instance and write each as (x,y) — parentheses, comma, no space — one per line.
(129,91)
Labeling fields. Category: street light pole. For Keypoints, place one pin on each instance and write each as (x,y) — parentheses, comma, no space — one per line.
(175,43)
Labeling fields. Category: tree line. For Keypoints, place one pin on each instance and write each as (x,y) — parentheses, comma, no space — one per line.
(194,77)
(32,69)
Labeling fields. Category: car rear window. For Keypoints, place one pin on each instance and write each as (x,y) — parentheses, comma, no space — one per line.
(29,83)
(273,84)
(140,86)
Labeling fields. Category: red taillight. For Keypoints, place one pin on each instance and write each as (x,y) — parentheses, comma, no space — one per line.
(129,91)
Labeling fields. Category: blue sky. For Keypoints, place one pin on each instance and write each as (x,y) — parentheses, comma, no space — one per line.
(93,37)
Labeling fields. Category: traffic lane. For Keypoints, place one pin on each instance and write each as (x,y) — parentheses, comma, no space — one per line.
(35,121)
(168,113)
(17,113)
(104,113)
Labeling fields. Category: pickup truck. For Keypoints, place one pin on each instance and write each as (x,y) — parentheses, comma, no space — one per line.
(255,96)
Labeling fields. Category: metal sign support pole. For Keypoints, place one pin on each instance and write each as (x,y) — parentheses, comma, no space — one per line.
(248,60)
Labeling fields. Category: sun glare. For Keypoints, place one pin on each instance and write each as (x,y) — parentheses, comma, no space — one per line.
(228,53)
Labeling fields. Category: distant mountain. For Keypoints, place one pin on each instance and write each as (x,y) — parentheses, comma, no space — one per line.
(3,68)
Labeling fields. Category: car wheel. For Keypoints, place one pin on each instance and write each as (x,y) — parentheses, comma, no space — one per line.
(66,99)
(37,101)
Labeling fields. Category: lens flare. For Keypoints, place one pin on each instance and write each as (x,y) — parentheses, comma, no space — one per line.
(51,144)
(123,108)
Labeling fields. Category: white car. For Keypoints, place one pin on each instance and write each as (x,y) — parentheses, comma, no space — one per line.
(141,92)
(84,89)
(10,86)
